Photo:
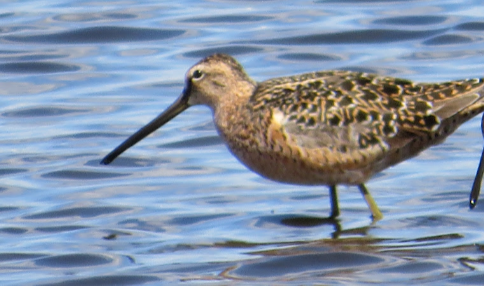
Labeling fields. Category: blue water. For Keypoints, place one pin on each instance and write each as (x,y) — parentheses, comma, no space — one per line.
(78,77)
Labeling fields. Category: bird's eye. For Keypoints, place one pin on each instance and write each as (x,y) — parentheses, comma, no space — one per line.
(197,74)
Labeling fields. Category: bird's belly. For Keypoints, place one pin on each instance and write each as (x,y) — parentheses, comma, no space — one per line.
(299,171)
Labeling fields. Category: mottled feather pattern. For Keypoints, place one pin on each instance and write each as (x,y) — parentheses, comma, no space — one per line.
(379,106)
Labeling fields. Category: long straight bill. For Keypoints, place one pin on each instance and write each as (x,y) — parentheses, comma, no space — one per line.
(173,110)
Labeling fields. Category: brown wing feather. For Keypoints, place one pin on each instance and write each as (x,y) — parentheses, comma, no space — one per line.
(357,111)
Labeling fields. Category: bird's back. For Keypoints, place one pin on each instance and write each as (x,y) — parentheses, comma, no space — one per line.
(350,125)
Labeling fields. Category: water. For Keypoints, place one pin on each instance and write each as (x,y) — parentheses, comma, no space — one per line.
(78,77)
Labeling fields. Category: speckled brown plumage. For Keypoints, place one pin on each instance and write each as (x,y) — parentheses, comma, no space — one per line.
(322,128)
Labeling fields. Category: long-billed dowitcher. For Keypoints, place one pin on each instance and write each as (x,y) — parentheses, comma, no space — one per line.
(321,128)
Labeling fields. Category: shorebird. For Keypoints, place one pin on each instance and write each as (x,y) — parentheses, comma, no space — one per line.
(324,128)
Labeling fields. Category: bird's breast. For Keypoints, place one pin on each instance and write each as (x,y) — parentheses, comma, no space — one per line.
(261,144)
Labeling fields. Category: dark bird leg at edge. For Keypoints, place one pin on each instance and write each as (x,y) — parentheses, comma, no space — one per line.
(476,186)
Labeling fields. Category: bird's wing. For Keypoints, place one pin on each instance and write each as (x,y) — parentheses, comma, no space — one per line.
(339,110)
(351,120)
(353,111)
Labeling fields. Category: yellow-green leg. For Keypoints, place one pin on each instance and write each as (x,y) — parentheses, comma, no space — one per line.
(334,202)
(375,212)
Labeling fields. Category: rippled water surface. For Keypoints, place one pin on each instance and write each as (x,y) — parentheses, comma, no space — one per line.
(78,77)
